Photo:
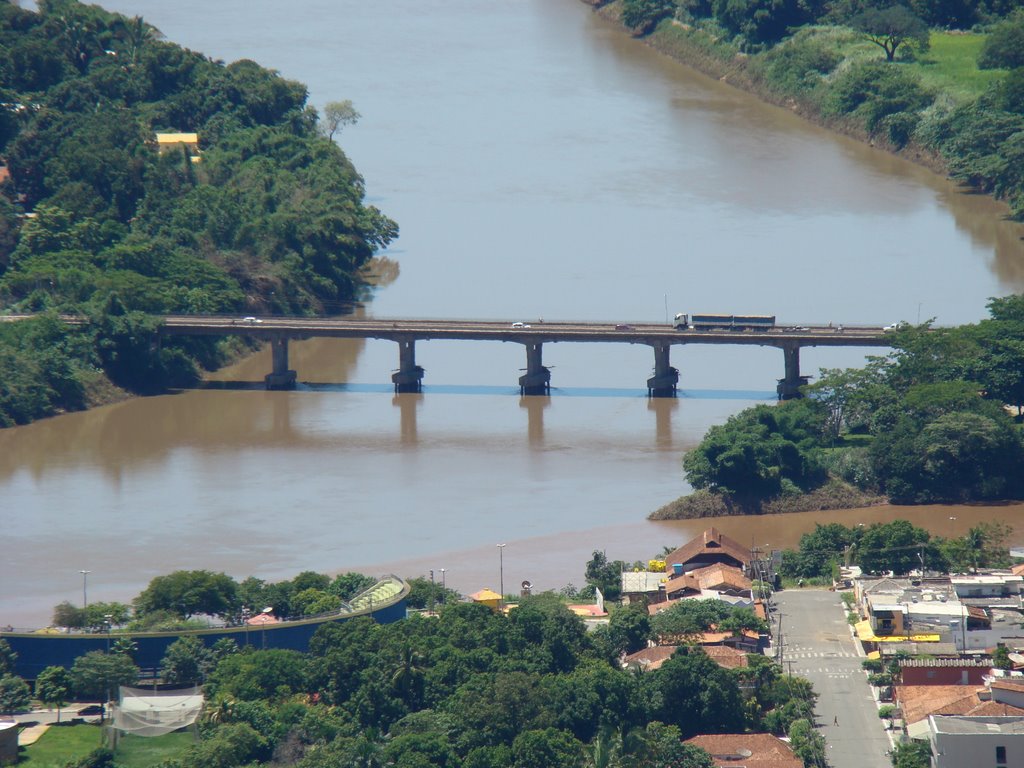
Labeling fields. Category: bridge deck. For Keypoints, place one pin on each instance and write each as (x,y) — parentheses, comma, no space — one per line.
(396,329)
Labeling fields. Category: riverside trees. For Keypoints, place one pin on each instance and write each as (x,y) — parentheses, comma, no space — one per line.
(925,424)
(98,222)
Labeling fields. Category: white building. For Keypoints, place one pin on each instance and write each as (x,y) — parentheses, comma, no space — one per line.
(976,742)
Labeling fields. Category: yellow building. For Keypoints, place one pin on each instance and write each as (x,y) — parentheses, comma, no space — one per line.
(167,142)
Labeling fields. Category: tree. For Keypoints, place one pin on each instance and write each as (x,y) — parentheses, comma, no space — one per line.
(7,658)
(643,15)
(338,114)
(807,744)
(698,696)
(186,593)
(187,660)
(912,754)
(53,687)
(898,546)
(98,674)
(68,615)
(890,27)
(14,694)
(605,575)
(545,748)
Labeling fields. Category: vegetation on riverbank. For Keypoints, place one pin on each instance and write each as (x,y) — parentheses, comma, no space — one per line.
(264,214)
(951,97)
(928,423)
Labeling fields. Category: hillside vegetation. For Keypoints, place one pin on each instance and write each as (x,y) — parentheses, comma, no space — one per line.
(266,214)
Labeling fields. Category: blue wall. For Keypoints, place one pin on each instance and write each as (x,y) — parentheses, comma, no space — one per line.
(36,652)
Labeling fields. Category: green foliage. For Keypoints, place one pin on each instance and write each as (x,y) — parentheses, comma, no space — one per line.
(891,27)
(187,661)
(807,744)
(185,593)
(912,754)
(271,675)
(897,546)
(7,658)
(818,550)
(53,687)
(14,694)
(1001,658)
(760,22)
(754,451)
(605,575)
(643,15)
(687,618)
(98,675)
(1004,46)
(272,208)
(799,65)
(871,92)
(697,696)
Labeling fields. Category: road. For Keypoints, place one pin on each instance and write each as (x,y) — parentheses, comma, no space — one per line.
(817,645)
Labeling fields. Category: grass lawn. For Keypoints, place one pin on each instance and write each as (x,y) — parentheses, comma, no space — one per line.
(140,752)
(950,65)
(61,744)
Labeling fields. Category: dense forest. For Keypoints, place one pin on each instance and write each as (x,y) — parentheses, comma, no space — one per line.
(265,214)
(936,420)
(942,76)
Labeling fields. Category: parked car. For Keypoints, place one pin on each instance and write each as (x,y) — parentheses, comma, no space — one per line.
(520,325)
(92,709)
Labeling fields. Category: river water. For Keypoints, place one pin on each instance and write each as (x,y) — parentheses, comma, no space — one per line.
(541,164)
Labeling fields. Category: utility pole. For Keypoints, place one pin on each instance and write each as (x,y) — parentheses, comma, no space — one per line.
(778,647)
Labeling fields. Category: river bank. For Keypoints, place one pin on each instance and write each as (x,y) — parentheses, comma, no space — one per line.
(833,496)
(719,60)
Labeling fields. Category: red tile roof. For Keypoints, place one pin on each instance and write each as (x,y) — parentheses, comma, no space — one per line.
(727,657)
(710,543)
(754,750)
(650,658)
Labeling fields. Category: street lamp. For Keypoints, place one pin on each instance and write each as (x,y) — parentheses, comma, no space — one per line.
(501,573)
(442,586)
(431,612)
(85,599)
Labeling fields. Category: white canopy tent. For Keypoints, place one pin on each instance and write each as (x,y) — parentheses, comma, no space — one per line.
(144,712)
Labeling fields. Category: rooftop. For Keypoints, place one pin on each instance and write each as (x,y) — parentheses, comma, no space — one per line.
(979,725)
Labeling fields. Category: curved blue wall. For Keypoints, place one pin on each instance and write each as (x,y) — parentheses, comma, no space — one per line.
(36,652)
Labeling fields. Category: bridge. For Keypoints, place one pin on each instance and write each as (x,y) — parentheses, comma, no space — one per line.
(278,331)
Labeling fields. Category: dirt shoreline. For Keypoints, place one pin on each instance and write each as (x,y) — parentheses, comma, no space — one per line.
(832,497)
(733,72)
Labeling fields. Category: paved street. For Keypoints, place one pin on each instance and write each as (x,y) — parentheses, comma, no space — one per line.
(817,644)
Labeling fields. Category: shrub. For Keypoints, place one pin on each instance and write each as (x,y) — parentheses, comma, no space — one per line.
(874,90)
(1004,48)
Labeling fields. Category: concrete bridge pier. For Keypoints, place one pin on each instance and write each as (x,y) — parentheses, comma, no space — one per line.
(409,376)
(280,376)
(663,382)
(537,379)
(789,387)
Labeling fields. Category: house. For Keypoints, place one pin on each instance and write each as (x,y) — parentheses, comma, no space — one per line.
(649,659)
(951,671)
(710,548)
(751,750)
(1003,697)
(980,742)
(188,142)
